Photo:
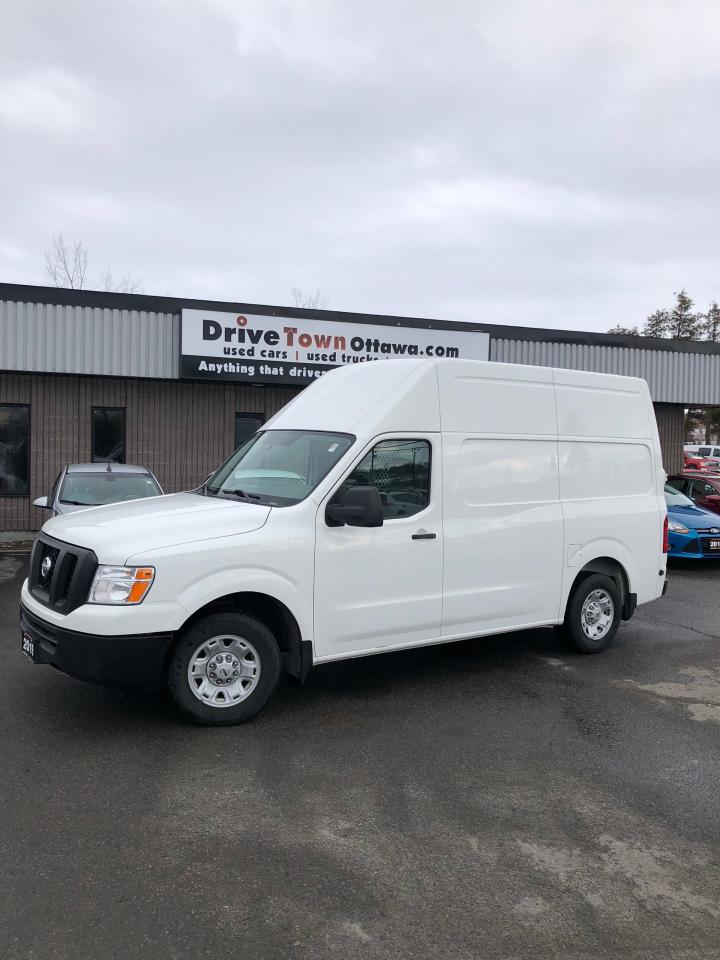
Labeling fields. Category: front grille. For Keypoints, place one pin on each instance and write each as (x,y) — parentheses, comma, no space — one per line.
(63,587)
(60,573)
(692,546)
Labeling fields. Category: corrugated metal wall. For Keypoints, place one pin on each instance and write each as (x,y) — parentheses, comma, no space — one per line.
(62,339)
(686,378)
(181,431)
(55,338)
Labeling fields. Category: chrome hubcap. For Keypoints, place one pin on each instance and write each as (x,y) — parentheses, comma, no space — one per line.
(224,671)
(597,614)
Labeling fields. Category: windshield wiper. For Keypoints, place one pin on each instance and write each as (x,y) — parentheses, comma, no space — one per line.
(243,494)
(79,503)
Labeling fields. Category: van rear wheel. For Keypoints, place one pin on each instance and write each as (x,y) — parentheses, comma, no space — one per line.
(593,614)
(224,669)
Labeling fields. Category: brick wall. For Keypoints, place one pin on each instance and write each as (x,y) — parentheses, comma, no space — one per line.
(181,431)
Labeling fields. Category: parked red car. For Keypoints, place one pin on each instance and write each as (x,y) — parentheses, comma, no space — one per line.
(703,491)
(693,462)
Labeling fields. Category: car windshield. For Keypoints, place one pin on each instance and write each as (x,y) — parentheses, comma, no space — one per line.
(94,489)
(673,498)
(279,467)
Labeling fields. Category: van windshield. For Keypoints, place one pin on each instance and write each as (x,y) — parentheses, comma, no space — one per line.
(279,467)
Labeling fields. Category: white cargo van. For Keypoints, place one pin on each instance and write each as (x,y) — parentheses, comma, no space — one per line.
(389,505)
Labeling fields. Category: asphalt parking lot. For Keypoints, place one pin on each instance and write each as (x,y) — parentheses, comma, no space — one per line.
(494,798)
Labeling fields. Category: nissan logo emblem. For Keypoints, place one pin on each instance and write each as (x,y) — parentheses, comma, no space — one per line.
(46,566)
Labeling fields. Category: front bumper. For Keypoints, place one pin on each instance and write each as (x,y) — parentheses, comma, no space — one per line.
(135,662)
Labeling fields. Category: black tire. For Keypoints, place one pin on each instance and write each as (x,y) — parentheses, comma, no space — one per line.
(572,629)
(265,653)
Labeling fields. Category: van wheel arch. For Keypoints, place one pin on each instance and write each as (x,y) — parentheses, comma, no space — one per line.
(616,571)
(296,653)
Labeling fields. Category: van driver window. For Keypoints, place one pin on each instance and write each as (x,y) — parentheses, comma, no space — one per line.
(400,469)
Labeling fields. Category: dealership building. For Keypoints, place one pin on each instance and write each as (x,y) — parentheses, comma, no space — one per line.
(177,384)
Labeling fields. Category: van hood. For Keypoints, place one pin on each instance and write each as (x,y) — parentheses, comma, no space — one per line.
(122,530)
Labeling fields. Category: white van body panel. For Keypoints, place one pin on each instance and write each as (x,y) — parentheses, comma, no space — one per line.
(206,571)
(173,520)
(377,588)
(535,473)
(503,534)
(502,509)
(367,399)
(611,477)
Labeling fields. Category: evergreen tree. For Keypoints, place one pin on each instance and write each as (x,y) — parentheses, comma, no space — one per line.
(680,323)
(625,331)
(684,324)
(711,323)
(657,324)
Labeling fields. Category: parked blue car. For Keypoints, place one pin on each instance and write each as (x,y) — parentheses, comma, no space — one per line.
(693,533)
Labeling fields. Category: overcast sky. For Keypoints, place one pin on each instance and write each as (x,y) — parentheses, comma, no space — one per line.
(541,162)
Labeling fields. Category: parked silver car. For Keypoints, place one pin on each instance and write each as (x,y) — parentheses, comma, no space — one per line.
(81,485)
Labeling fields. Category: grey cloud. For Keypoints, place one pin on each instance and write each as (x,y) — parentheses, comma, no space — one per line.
(546,163)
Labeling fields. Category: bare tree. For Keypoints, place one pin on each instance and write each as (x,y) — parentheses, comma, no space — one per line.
(126,284)
(66,265)
(310,301)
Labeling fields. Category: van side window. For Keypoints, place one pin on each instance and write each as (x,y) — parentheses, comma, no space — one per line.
(400,469)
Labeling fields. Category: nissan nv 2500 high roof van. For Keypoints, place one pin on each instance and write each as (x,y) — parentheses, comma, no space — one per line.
(390,505)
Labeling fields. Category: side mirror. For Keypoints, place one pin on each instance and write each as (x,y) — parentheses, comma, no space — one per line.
(714,498)
(356,507)
(41,502)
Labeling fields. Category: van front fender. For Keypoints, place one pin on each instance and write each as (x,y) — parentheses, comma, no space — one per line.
(226,583)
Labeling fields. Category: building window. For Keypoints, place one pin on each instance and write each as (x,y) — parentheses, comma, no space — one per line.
(14,450)
(246,424)
(108,435)
(400,469)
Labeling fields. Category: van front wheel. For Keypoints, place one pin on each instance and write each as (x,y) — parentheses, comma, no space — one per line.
(593,614)
(224,669)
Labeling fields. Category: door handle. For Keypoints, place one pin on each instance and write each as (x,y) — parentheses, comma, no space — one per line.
(422,535)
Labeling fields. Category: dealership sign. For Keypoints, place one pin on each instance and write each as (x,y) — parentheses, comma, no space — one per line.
(249,347)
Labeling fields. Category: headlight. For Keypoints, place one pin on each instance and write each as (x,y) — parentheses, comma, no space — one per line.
(677,527)
(124,585)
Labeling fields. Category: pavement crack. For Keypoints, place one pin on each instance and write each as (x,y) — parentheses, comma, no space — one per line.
(684,626)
